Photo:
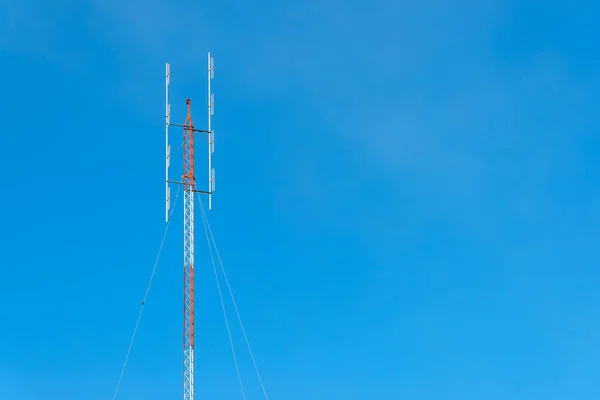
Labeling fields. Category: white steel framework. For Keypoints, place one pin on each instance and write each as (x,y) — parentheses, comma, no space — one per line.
(188,290)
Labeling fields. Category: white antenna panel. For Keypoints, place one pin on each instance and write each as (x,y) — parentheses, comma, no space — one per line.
(168,205)
(212,180)
(168,156)
(212,67)
(212,141)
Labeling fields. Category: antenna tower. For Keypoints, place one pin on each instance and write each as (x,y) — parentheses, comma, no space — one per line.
(188,181)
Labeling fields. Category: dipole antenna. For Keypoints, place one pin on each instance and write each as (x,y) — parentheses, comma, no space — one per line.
(189,189)
(211,133)
(168,148)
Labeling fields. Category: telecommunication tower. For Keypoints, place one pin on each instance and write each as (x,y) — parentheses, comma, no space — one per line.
(188,181)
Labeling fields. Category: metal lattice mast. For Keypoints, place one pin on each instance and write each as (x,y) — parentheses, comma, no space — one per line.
(189,184)
(189,190)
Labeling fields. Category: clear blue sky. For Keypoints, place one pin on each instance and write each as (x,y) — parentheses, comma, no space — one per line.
(408,199)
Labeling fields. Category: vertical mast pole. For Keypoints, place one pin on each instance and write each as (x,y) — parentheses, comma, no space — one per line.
(189,183)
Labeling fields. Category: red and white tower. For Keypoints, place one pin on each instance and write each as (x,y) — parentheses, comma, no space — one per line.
(188,182)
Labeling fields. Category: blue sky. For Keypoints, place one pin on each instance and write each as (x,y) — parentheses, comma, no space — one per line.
(407,203)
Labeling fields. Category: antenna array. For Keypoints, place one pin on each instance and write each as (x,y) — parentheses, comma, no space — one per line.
(209,132)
